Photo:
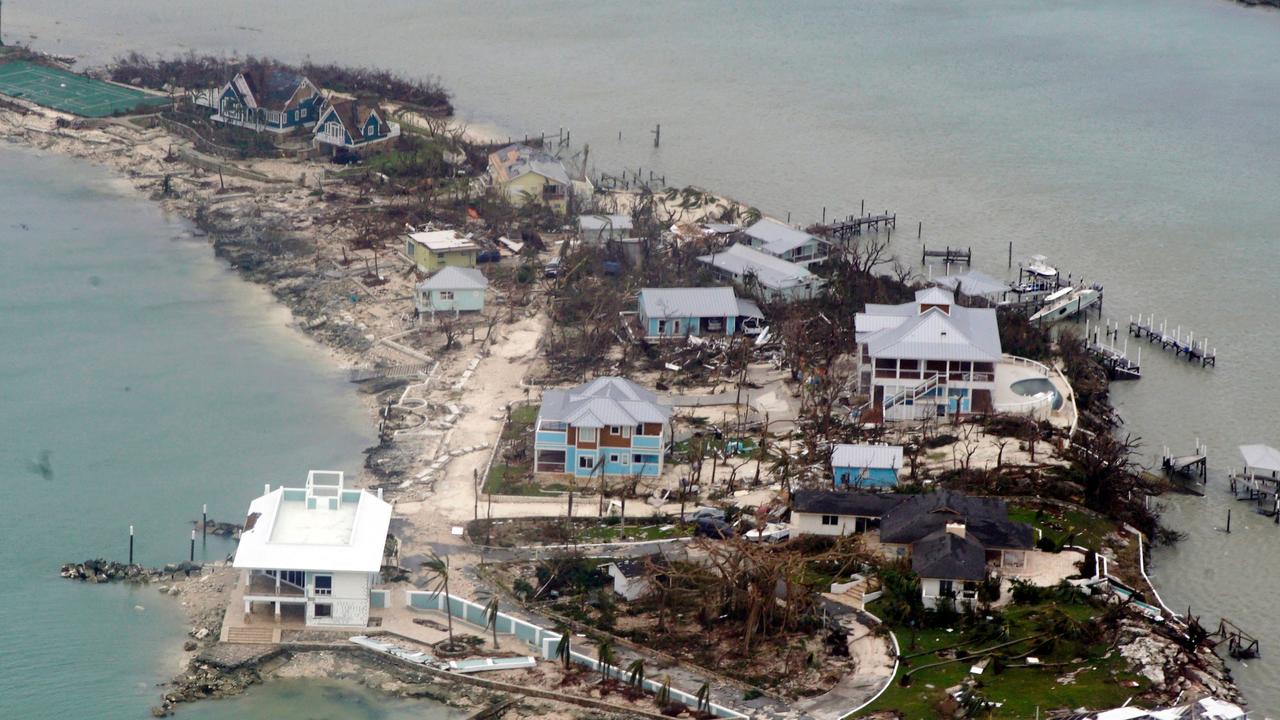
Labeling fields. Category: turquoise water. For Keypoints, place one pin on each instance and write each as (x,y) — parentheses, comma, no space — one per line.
(1136,142)
(156,381)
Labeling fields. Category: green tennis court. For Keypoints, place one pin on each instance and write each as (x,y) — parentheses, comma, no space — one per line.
(68,92)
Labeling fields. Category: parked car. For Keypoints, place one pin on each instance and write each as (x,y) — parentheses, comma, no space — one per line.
(708,527)
(704,512)
(753,326)
(552,269)
(488,256)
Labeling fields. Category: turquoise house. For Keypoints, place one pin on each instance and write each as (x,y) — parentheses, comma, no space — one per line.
(269,99)
(453,289)
(865,466)
(681,312)
(608,427)
(353,124)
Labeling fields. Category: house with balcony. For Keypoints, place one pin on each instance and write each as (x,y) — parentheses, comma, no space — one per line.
(756,271)
(952,540)
(525,174)
(314,553)
(928,357)
(786,243)
(608,427)
(432,250)
(666,313)
(267,99)
(865,466)
(353,124)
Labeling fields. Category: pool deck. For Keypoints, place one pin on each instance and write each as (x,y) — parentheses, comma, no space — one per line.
(1011,370)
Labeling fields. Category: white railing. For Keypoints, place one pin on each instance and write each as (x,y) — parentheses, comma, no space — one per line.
(1068,401)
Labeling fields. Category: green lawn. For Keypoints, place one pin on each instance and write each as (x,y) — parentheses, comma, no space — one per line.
(1020,690)
(610,533)
(1060,524)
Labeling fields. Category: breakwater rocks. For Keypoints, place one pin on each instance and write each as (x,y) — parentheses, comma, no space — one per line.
(222,671)
(101,571)
(1162,657)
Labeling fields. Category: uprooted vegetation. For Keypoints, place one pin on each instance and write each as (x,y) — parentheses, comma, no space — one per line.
(748,612)
(192,71)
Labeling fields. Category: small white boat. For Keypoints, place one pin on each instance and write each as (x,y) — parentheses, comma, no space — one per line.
(1066,302)
(1039,266)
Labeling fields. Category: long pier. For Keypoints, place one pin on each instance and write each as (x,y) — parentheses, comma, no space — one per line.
(1194,351)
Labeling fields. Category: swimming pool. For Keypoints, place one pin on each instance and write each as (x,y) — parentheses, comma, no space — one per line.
(1036,386)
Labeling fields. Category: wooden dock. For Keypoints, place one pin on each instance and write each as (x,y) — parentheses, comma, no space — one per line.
(851,226)
(1193,467)
(1100,342)
(1194,351)
(948,256)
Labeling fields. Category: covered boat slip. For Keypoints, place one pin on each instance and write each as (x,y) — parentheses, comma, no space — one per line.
(1259,479)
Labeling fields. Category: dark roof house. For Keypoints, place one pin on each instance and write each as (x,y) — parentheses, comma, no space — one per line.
(946,554)
(985,519)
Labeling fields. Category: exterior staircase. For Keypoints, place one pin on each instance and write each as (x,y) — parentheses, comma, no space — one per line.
(250,634)
(912,394)
(855,595)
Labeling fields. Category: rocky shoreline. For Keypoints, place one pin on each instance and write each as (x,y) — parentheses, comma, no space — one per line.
(275,240)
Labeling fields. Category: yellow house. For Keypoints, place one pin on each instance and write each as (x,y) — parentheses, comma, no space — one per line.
(522,173)
(436,249)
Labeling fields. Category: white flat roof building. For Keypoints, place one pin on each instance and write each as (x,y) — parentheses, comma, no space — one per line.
(320,546)
(442,240)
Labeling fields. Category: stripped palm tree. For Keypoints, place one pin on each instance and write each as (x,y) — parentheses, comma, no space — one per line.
(635,673)
(604,653)
(438,569)
(490,612)
(563,651)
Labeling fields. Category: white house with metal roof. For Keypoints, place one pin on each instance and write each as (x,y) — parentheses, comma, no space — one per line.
(315,551)
(598,229)
(681,312)
(787,243)
(865,466)
(775,278)
(523,174)
(453,289)
(609,426)
(929,357)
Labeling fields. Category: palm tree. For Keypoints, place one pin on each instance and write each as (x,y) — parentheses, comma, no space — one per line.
(438,568)
(604,653)
(563,651)
(663,697)
(490,613)
(704,698)
(635,673)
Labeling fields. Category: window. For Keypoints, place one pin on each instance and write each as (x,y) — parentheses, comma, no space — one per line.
(830,519)
(644,459)
(587,434)
(408,248)
(945,588)
(662,327)
(615,458)
(439,257)
(615,430)
(324,610)
(446,294)
(586,462)
(324,584)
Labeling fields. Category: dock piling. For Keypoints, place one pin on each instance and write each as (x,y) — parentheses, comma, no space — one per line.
(193,546)
(204,524)
(130,544)
(1228,521)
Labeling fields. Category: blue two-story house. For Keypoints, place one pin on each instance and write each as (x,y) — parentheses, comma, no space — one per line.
(865,466)
(269,99)
(680,312)
(353,124)
(609,427)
